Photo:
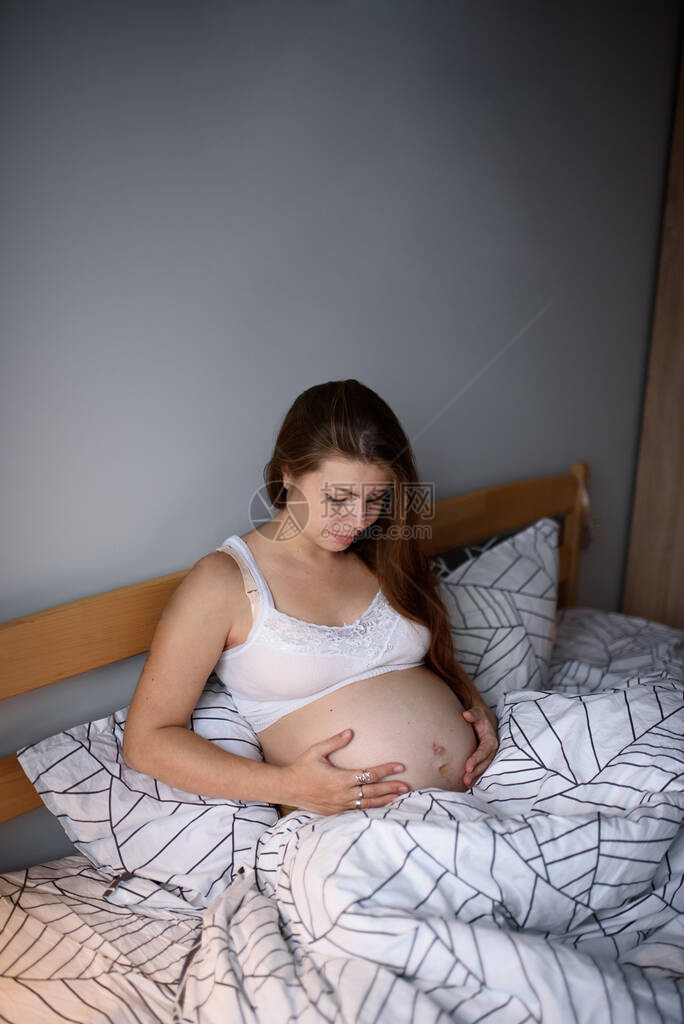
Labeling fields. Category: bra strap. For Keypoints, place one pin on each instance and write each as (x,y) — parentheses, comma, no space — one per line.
(248,579)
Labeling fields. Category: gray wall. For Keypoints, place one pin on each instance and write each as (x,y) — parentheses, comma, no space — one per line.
(209,207)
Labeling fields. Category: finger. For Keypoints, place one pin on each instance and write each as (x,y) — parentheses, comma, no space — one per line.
(475,758)
(469,778)
(340,739)
(382,789)
(380,801)
(480,721)
(477,721)
(378,772)
(486,749)
(483,753)
(485,734)
(475,763)
(477,774)
(475,766)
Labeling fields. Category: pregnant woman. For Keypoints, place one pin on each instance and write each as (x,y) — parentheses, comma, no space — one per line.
(326,624)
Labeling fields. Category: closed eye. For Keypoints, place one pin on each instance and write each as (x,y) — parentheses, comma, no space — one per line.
(371,501)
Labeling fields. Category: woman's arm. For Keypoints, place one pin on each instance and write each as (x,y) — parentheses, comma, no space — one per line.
(181,758)
(186,645)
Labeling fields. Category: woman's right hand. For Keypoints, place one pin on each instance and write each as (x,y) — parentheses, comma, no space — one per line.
(313,783)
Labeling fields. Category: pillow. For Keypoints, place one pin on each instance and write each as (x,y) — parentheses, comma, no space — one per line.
(139,829)
(582,753)
(502,610)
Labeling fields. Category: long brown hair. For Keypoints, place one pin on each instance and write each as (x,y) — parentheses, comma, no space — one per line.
(346,419)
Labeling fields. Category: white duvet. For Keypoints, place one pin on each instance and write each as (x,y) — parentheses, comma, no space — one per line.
(553,891)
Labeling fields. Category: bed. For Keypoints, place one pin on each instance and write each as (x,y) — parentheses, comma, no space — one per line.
(553,890)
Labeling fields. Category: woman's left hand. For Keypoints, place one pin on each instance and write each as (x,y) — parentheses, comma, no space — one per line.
(482,721)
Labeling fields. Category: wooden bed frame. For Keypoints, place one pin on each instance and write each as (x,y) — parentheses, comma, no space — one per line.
(48,646)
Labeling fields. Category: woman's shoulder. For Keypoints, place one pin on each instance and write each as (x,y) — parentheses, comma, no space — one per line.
(217,573)
(218,585)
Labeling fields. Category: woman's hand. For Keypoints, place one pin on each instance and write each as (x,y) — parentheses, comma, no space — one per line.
(313,783)
(483,722)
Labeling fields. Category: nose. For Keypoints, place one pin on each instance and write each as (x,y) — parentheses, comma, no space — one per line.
(356,516)
(360,514)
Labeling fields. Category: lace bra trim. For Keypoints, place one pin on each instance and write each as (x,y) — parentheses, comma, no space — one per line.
(265,589)
(323,626)
(370,636)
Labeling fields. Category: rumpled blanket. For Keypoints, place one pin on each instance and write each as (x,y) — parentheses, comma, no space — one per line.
(552,891)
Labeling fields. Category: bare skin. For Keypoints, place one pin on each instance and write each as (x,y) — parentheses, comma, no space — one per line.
(406,727)
(410,714)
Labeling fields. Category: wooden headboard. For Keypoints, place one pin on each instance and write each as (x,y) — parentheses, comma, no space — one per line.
(48,646)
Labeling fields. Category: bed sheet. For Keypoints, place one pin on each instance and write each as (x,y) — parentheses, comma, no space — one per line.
(553,891)
(68,954)
(595,649)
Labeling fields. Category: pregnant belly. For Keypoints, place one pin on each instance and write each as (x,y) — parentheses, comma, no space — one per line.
(409,716)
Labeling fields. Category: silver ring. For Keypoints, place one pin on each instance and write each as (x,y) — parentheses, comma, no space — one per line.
(363,776)
(357,804)
(360,792)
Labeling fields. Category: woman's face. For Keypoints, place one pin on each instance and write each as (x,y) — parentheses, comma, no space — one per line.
(334,503)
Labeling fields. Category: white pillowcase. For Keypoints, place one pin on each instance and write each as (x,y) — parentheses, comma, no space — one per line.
(137,828)
(572,754)
(502,610)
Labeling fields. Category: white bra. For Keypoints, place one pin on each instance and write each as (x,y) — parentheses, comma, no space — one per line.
(286,662)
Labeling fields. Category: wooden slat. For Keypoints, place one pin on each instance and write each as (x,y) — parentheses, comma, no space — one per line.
(477,515)
(480,514)
(17,795)
(81,635)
